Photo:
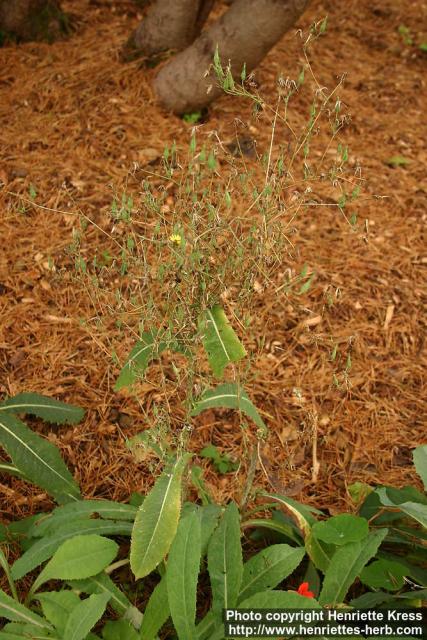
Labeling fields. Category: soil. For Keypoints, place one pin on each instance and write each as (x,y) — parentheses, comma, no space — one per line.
(75,120)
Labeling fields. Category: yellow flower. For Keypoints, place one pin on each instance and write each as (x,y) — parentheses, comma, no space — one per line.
(175,238)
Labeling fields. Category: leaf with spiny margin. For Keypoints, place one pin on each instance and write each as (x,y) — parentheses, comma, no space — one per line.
(137,362)
(57,606)
(78,558)
(419,456)
(210,515)
(44,548)
(219,340)
(346,565)
(85,616)
(18,631)
(102,583)
(157,521)
(81,510)
(225,563)
(268,568)
(48,409)
(37,458)
(16,612)
(229,396)
(156,612)
(181,576)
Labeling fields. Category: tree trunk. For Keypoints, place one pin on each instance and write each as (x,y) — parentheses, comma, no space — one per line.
(169,25)
(244,34)
(22,20)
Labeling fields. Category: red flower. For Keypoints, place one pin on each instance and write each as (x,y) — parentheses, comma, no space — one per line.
(303,590)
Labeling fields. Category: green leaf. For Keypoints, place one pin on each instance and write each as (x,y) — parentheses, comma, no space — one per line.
(78,558)
(300,512)
(12,470)
(397,161)
(52,522)
(37,459)
(206,626)
(85,616)
(145,350)
(372,600)
(278,600)
(44,548)
(119,630)
(181,576)
(219,340)
(43,407)
(319,552)
(12,610)
(156,612)
(57,606)
(230,396)
(419,456)
(384,574)
(414,510)
(225,563)
(346,565)
(17,631)
(102,583)
(157,521)
(341,529)
(268,568)
(210,515)
(359,491)
(285,530)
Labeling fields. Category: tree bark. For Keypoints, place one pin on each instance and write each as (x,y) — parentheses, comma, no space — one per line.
(169,25)
(244,34)
(22,20)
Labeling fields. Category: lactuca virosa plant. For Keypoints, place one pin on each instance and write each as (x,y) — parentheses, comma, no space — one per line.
(381,549)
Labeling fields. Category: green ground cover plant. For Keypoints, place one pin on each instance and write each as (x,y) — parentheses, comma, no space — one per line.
(373,558)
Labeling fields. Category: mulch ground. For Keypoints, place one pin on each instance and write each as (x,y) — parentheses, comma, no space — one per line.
(74,121)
